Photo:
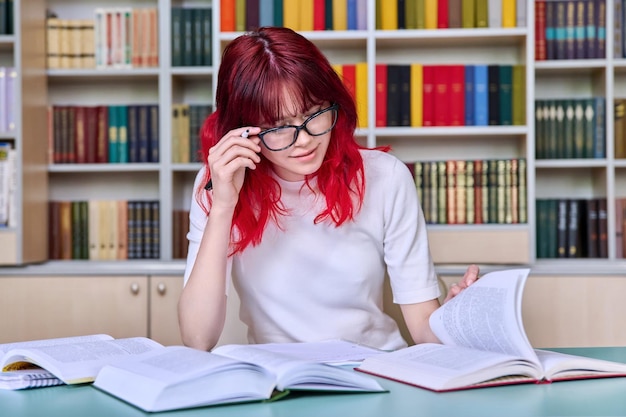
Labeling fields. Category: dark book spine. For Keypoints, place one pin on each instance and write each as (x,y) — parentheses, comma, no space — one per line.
(493,74)
(562,228)
(603,249)
(177,36)
(573,229)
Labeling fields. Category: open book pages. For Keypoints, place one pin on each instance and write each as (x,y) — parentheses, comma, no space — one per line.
(73,360)
(177,377)
(483,344)
(332,352)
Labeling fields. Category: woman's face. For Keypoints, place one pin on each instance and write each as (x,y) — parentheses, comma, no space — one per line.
(306,155)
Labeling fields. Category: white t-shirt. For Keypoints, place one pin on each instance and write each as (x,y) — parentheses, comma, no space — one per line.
(311,282)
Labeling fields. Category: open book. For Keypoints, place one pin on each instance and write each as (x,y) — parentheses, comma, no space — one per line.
(177,377)
(69,360)
(484,344)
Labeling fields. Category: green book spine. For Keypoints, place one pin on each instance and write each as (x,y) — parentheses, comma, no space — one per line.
(410,14)
(75,230)
(519,95)
(197,37)
(539,137)
(122,117)
(113,134)
(240,15)
(579,129)
(278,13)
(568,129)
(417,175)
(553,130)
(493,190)
(468,13)
(207,37)
(589,123)
(420,21)
(505,89)
(522,196)
(176,36)
(482,13)
(187,38)
(84,229)
(560,128)
(599,134)
(541,228)
(442,207)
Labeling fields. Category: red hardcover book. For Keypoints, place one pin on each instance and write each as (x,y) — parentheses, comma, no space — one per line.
(91,133)
(540,31)
(456,114)
(442,14)
(349,78)
(227,15)
(381,95)
(441,95)
(428,93)
(319,14)
(603,250)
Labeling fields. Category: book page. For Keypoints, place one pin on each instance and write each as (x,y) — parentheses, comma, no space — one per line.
(27,378)
(445,367)
(180,377)
(487,316)
(559,365)
(332,352)
(5,347)
(79,362)
(294,373)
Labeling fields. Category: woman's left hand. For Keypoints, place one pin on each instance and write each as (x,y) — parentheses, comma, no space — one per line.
(471,276)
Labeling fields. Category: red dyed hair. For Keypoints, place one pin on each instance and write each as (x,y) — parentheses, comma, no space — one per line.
(256,71)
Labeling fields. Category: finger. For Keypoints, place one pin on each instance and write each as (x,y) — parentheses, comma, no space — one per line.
(471,275)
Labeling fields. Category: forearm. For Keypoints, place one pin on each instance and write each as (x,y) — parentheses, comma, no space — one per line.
(202,305)
(416,317)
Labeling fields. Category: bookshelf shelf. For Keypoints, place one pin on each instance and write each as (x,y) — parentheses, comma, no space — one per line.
(108,167)
(383,132)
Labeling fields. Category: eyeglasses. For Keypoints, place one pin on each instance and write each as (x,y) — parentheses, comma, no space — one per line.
(283,137)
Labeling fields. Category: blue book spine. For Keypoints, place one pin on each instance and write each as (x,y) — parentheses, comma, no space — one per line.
(266,12)
(481,98)
(122,117)
(352,15)
(469,96)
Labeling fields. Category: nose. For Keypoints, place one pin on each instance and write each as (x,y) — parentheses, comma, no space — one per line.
(303,138)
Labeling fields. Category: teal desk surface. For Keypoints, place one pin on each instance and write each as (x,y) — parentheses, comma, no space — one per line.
(598,397)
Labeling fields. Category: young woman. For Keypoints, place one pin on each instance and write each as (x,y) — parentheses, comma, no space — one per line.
(305,221)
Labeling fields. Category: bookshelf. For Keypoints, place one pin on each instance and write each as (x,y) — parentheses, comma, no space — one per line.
(24,240)
(170,182)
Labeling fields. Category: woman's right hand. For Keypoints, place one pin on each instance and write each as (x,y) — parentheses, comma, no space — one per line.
(228,161)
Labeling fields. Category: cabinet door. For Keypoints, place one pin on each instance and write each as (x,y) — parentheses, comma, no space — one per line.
(47,307)
(164,294)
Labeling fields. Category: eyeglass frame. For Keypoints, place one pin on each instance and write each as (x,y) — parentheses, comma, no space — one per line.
(332,107)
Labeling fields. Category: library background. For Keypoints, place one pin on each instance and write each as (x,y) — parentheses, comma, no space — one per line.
(509,113)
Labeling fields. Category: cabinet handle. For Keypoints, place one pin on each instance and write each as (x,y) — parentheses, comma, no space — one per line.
(134,288)
(161,288)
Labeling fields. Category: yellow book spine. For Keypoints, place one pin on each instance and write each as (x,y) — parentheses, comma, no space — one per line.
(361,94)
(389,16)
(340,14)
(306,15)
(417,100)
(430,14)
(291,14)
(508,13)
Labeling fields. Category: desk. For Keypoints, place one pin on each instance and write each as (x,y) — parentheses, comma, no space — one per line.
(606,397)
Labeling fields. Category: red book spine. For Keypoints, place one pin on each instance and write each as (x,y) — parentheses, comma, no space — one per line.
(102,147)
(428,99)
(442,14)
(441,95)
(540,30)
(456,76)
(349,78)
(319,14)
(381,95)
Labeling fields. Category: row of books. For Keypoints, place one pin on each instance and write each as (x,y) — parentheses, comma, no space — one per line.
(570,29)
(619,128)
(120,37)
(104,229)
(103,134)
(444,14)
(570,128)
(6,17)
(472,191)
(8,185)
(572,228)
(242,15)
(191,36)
(8,76)
(180,227)
(450,95)
(187,120)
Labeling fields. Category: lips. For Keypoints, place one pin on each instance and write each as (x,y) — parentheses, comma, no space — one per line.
(304,154)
